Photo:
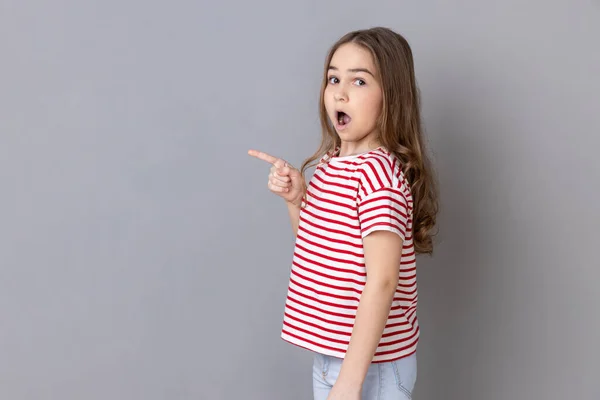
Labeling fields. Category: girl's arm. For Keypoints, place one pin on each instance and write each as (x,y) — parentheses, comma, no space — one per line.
(383,250)
(294,211)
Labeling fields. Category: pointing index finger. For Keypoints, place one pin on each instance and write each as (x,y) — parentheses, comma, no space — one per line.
(267,157)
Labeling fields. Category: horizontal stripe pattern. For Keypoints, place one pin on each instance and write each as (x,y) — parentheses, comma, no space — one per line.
(347,199)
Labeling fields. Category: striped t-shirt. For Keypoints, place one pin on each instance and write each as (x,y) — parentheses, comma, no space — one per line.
(348,198)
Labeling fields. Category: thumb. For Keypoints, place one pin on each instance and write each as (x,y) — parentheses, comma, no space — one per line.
(295,175)
(286,169)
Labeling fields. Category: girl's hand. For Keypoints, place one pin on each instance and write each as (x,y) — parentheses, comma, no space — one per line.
(284,180)
(344,392)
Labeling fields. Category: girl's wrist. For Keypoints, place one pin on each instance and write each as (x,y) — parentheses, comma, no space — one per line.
(298,202)
(295,203)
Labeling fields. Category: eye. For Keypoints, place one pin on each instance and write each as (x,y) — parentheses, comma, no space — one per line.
(360,82)
(333,80)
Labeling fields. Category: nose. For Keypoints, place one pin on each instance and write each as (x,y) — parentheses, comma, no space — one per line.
(340,95)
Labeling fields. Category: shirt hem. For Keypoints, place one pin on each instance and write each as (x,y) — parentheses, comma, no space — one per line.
(340,354)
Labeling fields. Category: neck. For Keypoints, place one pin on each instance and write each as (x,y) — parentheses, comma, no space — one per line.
(353,148)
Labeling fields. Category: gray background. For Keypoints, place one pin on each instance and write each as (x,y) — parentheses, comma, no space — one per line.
(142,256)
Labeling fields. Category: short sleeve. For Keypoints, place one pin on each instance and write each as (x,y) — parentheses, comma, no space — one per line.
(382,200)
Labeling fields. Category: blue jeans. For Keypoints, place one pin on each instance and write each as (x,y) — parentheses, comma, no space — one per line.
(393,380)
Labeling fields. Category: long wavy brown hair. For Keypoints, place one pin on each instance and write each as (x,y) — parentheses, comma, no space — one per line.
(399,124)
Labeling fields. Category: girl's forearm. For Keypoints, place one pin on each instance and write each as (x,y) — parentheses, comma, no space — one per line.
(371,318)
(294,212)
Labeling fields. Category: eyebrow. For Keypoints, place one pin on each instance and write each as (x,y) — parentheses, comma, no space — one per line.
(331,67)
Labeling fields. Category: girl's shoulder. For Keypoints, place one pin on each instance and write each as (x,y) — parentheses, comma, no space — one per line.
(381,168)
(379,160)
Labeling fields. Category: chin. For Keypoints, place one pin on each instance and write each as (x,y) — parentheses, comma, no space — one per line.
(345,135)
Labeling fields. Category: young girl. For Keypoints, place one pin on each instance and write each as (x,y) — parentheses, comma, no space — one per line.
(369,208)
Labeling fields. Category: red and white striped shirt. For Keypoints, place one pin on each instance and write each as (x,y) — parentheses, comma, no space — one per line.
(347,199)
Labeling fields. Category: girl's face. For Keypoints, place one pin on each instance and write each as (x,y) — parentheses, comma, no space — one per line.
(353,96)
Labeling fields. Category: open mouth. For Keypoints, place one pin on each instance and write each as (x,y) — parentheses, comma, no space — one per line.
(343,119)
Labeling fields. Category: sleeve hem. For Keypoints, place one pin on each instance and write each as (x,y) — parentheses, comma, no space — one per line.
(382,227)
